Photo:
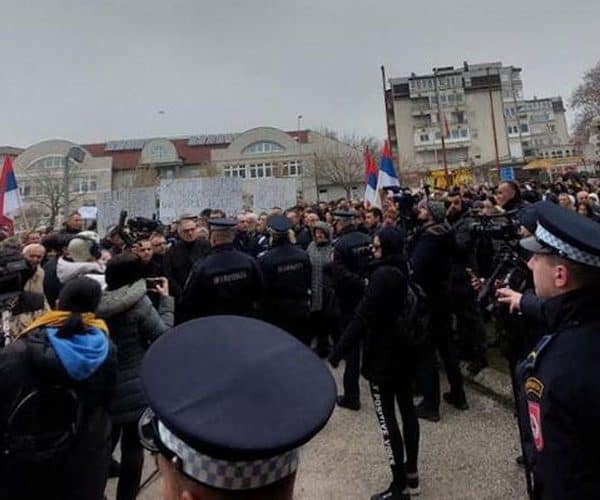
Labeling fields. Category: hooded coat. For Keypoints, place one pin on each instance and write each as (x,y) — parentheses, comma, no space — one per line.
(320,255)
(133,324)
(66,270)
(385,357)
(84,363)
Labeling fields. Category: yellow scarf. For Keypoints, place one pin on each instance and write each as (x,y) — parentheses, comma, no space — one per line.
(59,318)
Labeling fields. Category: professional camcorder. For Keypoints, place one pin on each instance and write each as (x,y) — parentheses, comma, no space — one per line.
(12,268)
(504,227)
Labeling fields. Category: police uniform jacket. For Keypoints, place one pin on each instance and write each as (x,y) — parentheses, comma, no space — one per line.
(351,257)
(287,275)
(560,399)
(226,282)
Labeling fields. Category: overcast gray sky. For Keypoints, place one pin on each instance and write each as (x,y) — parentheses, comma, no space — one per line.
(93,70)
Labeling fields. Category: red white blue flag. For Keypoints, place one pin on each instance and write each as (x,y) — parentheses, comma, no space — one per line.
(10,200)
(371,195)
(387,172)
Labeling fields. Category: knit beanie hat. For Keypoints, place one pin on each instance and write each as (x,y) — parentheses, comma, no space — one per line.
(437,210)
(323,226)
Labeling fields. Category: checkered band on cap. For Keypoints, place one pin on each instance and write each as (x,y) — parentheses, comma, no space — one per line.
(566,249)
(229,475)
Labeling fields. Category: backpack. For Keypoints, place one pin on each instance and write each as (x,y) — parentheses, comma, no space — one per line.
(412,324)
(42,424)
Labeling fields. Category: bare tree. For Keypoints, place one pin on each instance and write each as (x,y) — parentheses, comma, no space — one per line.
(585,101)
(338,159)
(46,191)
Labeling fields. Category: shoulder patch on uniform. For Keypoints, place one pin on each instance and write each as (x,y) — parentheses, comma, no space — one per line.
(534,386)
(535,421)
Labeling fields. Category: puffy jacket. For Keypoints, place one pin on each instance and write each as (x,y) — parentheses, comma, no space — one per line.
(385,358)
(80,473)
(133,324)
(67,270)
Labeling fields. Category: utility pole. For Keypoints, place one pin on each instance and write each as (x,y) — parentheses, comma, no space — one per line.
(493,118)
(77,154)
(441,126)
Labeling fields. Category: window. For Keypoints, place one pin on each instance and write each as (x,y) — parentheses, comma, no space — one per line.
(524,127)
(84,185)
(464,133)
(235,171)
(263,147)
(260,170)
(424,137)
(292,168)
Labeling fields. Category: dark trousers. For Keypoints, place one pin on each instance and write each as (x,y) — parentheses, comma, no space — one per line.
(322,327)
(470,327)
(352,375)
(439,342)
(384,398)
(132,460)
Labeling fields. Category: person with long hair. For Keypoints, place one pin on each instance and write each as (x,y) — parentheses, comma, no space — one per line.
(56,382)
(134,324)
(388,363)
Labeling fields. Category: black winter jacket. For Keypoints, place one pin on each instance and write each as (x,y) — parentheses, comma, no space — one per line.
(431,259)
(384,356)
(81,472)
(134,324)
(179,261)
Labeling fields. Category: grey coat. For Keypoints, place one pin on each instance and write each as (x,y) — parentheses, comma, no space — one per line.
(133,324)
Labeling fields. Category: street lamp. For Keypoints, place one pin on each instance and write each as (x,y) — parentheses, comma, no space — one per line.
(76,154)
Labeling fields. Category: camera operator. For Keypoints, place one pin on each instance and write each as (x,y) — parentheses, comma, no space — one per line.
(469,320)
(19,308)
(508,196)
(559,381)
(430,258)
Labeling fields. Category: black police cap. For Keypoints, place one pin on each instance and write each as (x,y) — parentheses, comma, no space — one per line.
(566,233)
(345,214)
(222,224)
(279,224)
(235,398)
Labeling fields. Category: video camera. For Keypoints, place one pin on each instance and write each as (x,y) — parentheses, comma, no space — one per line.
(504,227)
(12,267)
(142,227)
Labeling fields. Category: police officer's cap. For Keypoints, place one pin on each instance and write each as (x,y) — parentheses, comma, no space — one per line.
(222,224)
(565,233)
(345,214)
(279,224)
(233,399)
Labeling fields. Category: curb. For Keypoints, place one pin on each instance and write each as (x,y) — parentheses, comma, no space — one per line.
(493,383)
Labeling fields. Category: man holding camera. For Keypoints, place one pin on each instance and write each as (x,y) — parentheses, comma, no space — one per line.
(559,382)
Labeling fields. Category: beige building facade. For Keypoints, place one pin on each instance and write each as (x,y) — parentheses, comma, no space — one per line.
(480,111)
(39,170)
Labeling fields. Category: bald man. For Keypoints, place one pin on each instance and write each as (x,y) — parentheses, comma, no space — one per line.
(34,255)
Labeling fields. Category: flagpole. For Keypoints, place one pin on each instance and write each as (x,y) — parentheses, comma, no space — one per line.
(437,97)
(387,102)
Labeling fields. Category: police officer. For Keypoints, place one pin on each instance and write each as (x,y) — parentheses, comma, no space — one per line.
(560,379)
(238,438)
(351,257)
(287,274)
(225,282)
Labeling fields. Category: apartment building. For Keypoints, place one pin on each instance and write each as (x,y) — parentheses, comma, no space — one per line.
(476,113)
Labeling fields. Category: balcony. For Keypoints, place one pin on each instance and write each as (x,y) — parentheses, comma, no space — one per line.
(420,109)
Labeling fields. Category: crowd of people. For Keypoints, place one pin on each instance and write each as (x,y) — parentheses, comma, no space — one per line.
(334,275)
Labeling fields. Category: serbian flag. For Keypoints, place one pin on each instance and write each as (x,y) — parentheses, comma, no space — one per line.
(387,172)
(371,196)
(10,200)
